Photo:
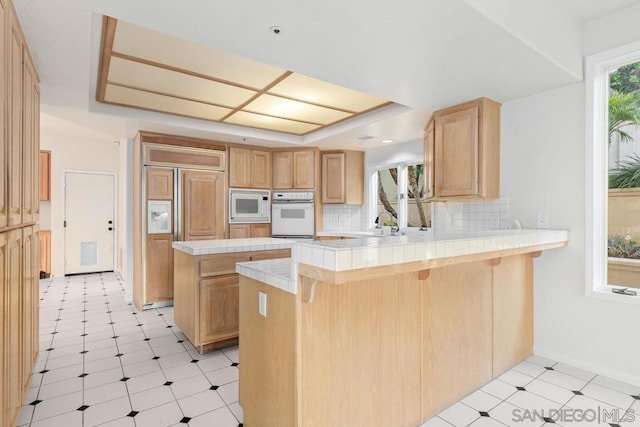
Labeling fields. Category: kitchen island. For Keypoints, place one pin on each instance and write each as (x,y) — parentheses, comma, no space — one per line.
(205,304)
(384,331)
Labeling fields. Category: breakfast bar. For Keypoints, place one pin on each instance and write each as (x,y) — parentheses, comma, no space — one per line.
(384,331)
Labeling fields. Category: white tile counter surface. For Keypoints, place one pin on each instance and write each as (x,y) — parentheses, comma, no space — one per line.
(221,246)
(342,255)
(274,272)
(350,254)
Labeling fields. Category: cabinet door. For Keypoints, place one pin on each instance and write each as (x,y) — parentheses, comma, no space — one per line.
(260,230)
(303,169)
(159,284)
(159,183)
(202,205)
(28,277)
(456,327)
(239,231)
(333,178)
(429,153)
(28,146)
(12,311)
(219,300)
(35,158)
(15,126)
(512,312)
(239,167)
(4,288)
(45,175)
(456,153)
(282,170)
(45,251)
(4,146)
(260,169)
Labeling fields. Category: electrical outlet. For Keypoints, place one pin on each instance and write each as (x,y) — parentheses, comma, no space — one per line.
(542,220)
(262,304)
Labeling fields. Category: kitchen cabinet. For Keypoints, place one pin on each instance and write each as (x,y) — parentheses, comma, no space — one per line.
(19,213)
(462,151)
(45,251)
(249,168)
(15,124)
(245,231)
(159,183)
(159,268)
(294,170)
(173,169)
(203,205)
(45,175)
(343,177)
(206,295)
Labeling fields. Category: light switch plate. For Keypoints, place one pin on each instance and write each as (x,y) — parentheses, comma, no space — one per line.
(262,303)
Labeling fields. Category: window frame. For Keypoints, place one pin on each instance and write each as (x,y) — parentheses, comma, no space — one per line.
(598,67)
(403,183)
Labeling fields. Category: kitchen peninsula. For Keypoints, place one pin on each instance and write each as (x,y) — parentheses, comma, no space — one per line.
(206,285)
(384,331)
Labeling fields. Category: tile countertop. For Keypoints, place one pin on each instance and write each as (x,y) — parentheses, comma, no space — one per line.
(368,251)
(275,272)
(221,246)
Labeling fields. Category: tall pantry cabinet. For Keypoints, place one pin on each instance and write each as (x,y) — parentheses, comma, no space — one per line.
(19,215)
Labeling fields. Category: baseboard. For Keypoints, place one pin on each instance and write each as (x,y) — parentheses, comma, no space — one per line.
(614,374)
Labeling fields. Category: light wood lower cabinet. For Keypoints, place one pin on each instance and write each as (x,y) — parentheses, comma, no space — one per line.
(159,268)
(206,295)
(245,231)
(45,251)
(419,341)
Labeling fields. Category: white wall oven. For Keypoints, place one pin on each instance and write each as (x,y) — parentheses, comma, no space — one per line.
(292,215)
(249,206)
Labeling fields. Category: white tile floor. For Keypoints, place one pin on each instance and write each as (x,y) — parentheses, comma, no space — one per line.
(103,363)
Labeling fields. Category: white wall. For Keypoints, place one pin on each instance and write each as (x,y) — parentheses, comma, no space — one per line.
(543,165)
(72,147)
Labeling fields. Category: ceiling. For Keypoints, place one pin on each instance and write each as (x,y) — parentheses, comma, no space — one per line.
(420,54)
(147,69)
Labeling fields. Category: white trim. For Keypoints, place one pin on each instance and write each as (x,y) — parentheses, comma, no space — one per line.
(115,213)
(596,174)
(614,374)
(370,176)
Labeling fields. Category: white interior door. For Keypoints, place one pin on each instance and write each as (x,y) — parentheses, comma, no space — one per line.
(89,222)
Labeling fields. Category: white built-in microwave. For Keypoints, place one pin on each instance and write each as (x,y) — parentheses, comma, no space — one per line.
(249,205)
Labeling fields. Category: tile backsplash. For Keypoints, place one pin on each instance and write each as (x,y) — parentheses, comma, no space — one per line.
(344,217)
(471,215)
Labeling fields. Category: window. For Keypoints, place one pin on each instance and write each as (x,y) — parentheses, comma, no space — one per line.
(613,173)
(400,196)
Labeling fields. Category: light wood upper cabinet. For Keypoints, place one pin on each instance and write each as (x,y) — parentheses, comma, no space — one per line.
(159,183)
(45,175)
(282,170)
(203,205)
(249,168)
(4,147)
(293,170)
(260,169)
(30,146)
(462,151)
(303,169)
(343,177)
(15,125)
